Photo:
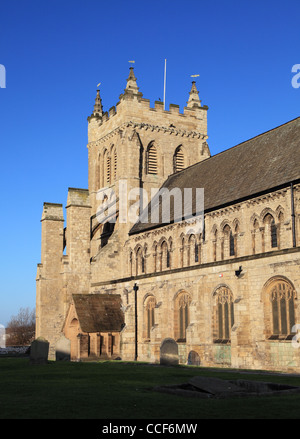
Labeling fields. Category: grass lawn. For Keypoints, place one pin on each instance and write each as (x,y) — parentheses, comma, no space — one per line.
(117,390)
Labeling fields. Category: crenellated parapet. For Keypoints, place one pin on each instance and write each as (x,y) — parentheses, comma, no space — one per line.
(132,106)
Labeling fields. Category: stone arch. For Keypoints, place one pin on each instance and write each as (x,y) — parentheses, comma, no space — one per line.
(152,158)
(149,305)
(139,260)
(255,233)
(71,332)
(98,171)
(265,211)
(279,211)
(192,249)
(215,241)
(114,162)
(279,298)
(254,217)
(182,240)
(182,301)
(106,167)
(130,262)
(165,255)
(228,243)
(179,159)
(270,232)
(223,313)
(193,358)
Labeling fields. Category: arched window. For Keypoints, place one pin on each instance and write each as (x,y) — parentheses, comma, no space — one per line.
(223,315)
(282,296)
(182,251)
(130,263)
(270,231)
(140,261)
(149,316)
(178,160)
(227,244)
(182,315)
(114,164)
(151,159)
(107,168)
(155,257)
(193,250)
(215,244)
(165,256)
(273,234)
(280,229)
(255,236)
(97,173)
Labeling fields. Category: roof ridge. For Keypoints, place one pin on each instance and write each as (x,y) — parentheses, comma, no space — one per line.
(232,147)
(255,137)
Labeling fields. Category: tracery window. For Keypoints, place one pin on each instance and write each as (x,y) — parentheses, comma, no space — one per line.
(182,315)
(149,313)
(224,315)
(282,297)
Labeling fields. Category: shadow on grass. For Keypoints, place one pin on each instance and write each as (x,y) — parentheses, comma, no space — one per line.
(121,390)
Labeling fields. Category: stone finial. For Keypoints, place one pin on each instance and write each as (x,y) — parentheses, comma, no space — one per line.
(194,101)
(131,87)
(98,109)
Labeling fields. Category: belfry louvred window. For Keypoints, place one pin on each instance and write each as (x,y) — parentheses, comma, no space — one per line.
(108,170)
(152,160)
(178,160)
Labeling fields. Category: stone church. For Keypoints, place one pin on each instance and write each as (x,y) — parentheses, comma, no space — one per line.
(217,287)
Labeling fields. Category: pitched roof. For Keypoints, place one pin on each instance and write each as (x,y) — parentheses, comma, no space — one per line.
(258,165)
(99,312)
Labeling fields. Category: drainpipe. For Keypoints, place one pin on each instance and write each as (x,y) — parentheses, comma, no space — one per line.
(135,287)
(293,216)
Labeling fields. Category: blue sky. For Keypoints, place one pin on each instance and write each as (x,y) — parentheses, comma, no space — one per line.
(56,52)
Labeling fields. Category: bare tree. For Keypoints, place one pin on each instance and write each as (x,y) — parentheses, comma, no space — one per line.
(20,329)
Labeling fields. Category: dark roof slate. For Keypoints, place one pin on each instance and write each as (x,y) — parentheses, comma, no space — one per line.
(99,312)
(258,165)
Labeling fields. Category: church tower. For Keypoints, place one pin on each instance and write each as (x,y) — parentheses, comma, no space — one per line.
(132,149)
(135,147)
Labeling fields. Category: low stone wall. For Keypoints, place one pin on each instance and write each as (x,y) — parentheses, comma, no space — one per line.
(14,351)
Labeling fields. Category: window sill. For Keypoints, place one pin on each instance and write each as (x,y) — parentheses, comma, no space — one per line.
(220,341)
(281,338)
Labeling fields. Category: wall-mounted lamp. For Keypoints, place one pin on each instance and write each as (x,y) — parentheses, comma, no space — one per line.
(238,272)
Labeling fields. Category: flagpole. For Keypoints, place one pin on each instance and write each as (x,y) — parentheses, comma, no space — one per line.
(165,84)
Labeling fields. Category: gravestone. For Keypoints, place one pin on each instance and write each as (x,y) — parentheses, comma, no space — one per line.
(194,358)
(2,336)
(169,352)
(39,350)
(63,349)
